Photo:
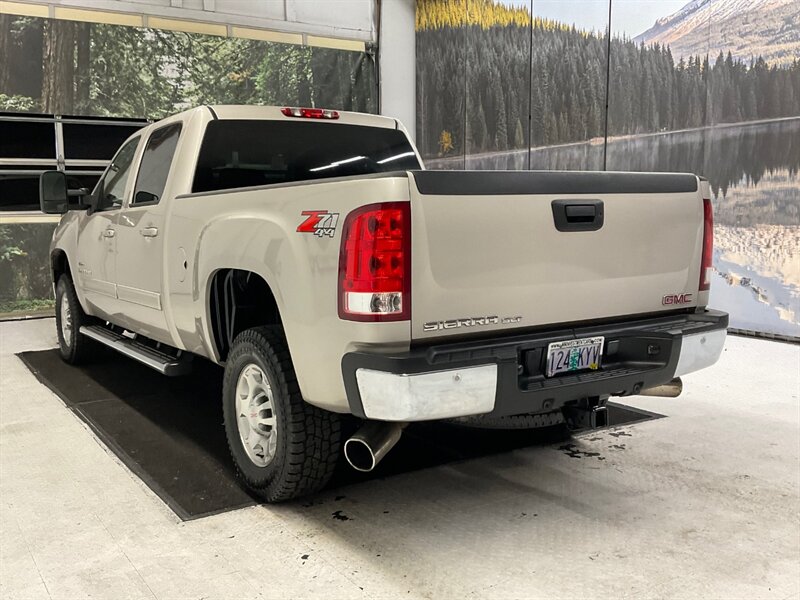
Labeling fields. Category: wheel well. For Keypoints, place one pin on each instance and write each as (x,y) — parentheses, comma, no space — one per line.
(59,264)
(239,300)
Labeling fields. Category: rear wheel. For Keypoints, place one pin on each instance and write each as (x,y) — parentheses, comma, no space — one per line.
(74,347)
(282,446)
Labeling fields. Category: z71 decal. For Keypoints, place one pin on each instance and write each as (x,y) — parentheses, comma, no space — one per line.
(319,222)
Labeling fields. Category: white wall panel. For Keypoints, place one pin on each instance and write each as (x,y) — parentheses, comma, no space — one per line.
(192,4)
(264,9)
(349,19)
(397,57)
(336,13)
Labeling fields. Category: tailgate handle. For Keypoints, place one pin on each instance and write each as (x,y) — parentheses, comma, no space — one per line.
(578,215)
(581,213)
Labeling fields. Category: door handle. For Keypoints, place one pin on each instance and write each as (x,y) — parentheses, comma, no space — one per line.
(109,233)
(149,231)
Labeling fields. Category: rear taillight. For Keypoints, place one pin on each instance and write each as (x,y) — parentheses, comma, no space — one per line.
(310,113)
(708,245)
(375,263)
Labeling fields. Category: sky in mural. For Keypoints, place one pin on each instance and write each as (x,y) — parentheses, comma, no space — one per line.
(631,17)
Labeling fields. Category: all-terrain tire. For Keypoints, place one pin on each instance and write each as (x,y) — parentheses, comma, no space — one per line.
(308,438)
(74,347)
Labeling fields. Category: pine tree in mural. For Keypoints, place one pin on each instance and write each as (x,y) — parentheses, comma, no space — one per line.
(5,50)
(58,70)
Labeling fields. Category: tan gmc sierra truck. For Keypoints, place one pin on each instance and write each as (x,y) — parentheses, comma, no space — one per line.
(309,253)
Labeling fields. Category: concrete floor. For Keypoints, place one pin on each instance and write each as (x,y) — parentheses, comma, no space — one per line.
(703,504)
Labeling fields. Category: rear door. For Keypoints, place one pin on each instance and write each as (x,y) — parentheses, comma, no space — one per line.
(507,250)
(140,238)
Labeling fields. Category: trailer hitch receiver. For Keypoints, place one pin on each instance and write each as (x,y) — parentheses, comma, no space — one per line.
(587,413)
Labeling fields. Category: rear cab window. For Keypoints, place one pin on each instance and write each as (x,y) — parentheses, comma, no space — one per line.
(244,153)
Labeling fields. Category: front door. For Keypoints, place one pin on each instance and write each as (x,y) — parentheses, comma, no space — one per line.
(140,239)
(97,242)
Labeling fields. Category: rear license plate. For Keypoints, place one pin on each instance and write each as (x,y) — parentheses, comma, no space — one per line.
(574,355)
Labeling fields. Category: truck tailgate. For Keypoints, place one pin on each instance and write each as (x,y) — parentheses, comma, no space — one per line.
(487,252)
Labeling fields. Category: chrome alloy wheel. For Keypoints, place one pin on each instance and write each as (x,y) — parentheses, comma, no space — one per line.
(255,415)
(66,321)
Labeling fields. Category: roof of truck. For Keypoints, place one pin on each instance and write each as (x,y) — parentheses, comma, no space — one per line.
(233,111)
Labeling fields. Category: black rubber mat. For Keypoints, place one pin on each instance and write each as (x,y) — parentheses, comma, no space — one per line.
(168,431)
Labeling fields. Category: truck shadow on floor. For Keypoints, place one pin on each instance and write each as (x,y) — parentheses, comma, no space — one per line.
(169,431)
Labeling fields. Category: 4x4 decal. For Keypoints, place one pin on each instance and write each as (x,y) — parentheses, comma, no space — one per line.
(319,222)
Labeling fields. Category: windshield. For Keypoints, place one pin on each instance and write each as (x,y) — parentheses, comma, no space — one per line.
(239,154)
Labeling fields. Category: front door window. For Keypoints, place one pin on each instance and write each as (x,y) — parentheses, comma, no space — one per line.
(112,186)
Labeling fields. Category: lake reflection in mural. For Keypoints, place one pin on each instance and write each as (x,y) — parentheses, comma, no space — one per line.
(753,173)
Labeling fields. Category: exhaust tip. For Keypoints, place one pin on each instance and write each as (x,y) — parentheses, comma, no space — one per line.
(359,455)
(671,389)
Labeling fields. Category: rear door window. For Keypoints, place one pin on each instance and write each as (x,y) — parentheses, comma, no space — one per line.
(155,164)
(237,154)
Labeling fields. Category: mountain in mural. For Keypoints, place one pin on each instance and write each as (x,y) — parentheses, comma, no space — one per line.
(746,28)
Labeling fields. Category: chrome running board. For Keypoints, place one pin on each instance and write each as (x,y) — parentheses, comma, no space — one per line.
(154,358)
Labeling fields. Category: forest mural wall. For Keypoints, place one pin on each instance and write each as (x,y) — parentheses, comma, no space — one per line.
(75,68)
(94,69)
(524,84)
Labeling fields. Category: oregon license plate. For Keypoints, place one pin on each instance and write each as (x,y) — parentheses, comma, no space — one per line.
(574,355)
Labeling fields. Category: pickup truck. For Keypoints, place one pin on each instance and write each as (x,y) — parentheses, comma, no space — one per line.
(307,252)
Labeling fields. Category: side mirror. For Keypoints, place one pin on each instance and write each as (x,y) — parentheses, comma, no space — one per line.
(143,197)
(53,196)
(80,192)
(79,199)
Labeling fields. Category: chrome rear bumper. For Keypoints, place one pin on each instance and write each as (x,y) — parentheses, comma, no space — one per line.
(700,350)
(427,396)
(506,376)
